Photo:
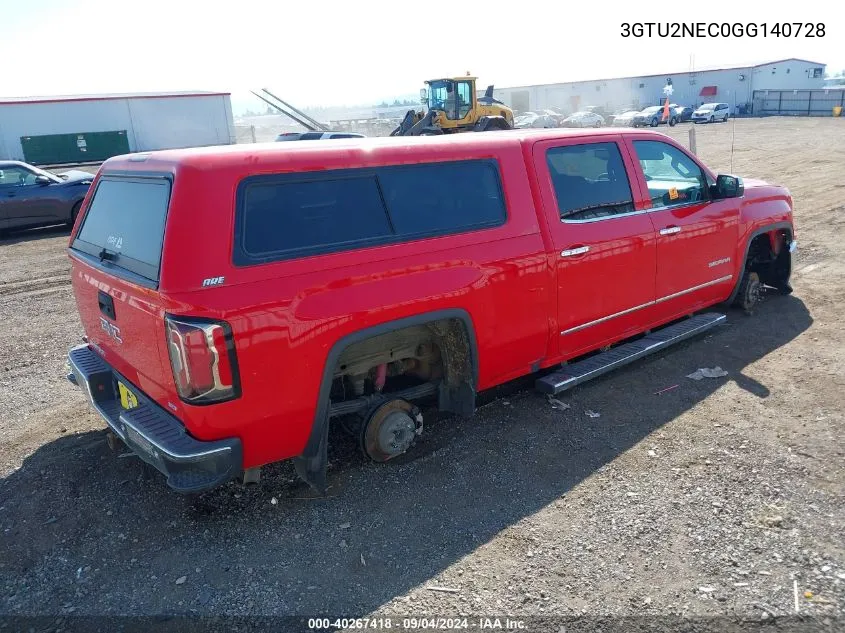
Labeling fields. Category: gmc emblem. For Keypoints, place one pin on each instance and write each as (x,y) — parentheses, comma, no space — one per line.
(111,329)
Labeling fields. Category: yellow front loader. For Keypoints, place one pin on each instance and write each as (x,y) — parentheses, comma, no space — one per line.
(453,106)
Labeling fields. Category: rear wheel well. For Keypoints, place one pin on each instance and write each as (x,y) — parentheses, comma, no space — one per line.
(449,352)
(437,351)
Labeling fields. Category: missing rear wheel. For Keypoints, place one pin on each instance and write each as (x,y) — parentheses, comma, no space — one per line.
(390,430)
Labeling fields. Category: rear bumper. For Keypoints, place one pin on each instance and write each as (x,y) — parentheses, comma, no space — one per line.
(152,433)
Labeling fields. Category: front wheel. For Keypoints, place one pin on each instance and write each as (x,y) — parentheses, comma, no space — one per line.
(673,122)
(712,119)
(654,123)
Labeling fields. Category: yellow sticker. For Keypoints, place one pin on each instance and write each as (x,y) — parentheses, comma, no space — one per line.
(673,194)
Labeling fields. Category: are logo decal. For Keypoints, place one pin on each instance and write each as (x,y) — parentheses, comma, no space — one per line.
(212,281)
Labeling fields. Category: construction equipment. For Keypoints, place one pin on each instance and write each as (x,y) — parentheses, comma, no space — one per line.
(453,106)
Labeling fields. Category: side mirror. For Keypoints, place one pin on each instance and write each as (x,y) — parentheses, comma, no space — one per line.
(728,187)
(42,180)
(423,95)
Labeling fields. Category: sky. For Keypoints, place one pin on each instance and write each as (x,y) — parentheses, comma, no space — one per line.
(355,53)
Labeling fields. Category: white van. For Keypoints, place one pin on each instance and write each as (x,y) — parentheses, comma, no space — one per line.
(711,112)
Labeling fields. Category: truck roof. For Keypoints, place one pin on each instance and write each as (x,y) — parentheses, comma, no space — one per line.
(423,146)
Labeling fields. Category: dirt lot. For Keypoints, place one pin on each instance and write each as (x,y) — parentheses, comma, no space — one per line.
(716,498)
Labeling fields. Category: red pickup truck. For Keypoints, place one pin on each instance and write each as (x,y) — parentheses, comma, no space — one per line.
(237,299)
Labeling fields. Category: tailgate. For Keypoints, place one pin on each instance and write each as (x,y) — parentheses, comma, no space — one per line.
(116,255)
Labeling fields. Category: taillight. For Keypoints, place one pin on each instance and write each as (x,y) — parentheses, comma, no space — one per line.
(202,356)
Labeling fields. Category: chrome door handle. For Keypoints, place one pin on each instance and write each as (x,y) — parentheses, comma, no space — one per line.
(575,251)
(669,230)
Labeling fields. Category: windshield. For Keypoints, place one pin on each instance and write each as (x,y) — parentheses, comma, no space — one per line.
(708,106)
(437,94)
(652,109)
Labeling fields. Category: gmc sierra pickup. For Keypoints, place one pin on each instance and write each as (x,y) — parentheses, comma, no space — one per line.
(237,299)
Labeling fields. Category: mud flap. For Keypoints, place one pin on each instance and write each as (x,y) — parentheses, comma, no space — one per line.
(312,468)
(459,399)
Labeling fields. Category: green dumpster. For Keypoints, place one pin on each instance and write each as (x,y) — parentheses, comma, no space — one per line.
(79,147)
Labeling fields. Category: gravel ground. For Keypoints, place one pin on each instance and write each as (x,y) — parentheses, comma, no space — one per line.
(720,499)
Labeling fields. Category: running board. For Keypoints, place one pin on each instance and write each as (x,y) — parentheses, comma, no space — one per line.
(580,371)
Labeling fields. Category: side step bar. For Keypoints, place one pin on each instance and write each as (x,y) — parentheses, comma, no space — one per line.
(580,371)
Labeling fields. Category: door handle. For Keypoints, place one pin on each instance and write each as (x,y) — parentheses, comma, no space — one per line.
(106,303)
(669,230)
(571,252)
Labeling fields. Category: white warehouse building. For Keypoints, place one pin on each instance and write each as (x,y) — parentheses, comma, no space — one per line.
(91,128)
(735,86)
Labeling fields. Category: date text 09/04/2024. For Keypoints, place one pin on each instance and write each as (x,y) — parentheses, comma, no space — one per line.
(419,624)
(723,29)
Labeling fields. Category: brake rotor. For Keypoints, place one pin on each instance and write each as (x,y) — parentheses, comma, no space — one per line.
(390,430)
(752,292)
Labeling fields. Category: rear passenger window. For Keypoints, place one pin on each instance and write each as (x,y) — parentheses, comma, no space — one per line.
(295,215)
(590,181)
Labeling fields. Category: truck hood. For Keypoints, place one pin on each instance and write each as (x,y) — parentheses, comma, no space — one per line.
(755,182)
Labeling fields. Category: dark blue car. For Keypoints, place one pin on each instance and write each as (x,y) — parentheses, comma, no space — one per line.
(33,197)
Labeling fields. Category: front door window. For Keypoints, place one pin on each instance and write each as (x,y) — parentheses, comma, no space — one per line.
(672,177)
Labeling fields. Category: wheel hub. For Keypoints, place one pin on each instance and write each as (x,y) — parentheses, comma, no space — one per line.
(752,293)
(391,430)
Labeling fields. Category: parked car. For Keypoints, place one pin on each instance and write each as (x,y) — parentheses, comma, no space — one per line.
(600,110)
(31,197)
(625,119)
(556,115)
(683,113)
(583,119)
(534,120)
(711,112)
(358,281)
(653,116)
(314,136)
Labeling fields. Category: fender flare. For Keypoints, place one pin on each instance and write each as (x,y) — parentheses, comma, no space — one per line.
(311,464)
(757,232)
